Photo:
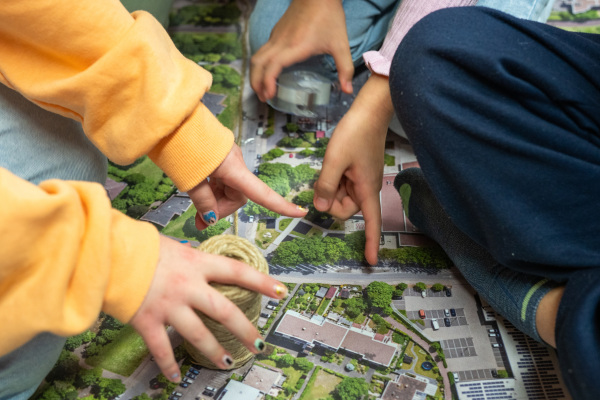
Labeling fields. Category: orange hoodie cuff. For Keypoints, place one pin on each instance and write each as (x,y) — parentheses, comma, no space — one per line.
(135,251)
(194,150)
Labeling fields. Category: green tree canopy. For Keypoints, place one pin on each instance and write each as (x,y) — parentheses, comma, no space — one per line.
(352,389)
(88,377)
(285,361)
(251,208)
(134,179)
(421,286)
(437,287)
(304,198)
(379,294)
(189,229)
(303,364)
(110,387)
(291,127)
(273,154)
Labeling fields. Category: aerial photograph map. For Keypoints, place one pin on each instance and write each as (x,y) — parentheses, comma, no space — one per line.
(409,327)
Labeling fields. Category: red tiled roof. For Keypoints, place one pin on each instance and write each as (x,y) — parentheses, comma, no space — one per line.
(331,292)
(328,333)
(370,349)
(403,390)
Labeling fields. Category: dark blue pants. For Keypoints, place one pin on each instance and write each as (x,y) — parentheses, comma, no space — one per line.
(504,117)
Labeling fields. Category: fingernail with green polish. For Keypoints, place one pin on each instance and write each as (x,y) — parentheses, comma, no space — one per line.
(209,217)
(227,360)
(259,344)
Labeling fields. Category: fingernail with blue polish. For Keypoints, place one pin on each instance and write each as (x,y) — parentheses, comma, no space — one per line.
(209,217)
(174,377)
(259,344)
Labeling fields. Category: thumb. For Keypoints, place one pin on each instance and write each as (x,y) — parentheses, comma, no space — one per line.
(206,204)
(327,185)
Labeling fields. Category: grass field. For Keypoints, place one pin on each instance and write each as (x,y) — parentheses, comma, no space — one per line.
(322,387)
(148,169)
(123,355)
(174,228)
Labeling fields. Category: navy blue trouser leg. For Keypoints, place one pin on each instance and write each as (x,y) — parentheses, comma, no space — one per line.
(504,117)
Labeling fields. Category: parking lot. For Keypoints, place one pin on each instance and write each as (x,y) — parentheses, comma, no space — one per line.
(460,347)
(439,314)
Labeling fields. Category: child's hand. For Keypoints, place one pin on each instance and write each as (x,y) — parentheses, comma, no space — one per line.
(229,187)
(308,27)
(352,170)
(181,286)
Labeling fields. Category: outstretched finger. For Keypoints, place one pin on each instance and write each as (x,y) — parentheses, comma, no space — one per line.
(371,209)
(234,272)
(189,325)
(157,340)
(206,204)
(219,308)
(260,193)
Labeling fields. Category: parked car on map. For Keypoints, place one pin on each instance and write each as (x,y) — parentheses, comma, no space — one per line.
(422,314)
(453,312)
(424,293)
(446,312)
(447,321)
(434,324)
(448,292)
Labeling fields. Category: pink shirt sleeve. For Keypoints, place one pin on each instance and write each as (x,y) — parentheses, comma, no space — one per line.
(409,13)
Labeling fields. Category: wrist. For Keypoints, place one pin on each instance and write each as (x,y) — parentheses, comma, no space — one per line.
(375,98)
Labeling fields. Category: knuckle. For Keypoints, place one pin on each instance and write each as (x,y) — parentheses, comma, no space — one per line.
(162,354)
(197,336)
(324,187)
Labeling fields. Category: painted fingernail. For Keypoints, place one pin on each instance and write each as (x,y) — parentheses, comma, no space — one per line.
(175,377)
(209,217)
(227,360)
(280,290)
(259,344)
(302,208)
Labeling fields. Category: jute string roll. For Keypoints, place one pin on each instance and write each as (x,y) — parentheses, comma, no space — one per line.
(248,301)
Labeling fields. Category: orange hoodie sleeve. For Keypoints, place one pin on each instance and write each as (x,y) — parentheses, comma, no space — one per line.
(64,253)
(119,75)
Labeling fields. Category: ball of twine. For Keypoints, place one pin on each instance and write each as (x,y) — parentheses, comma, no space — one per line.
(248,301)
